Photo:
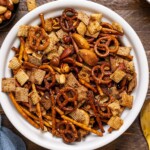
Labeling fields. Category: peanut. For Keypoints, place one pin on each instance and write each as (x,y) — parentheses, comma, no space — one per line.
(10,5)
(8,14)
(15,1)
(3,9)
(81,41)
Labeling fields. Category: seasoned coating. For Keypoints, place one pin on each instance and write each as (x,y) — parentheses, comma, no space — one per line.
(21,94)
(8,85)
(60,34)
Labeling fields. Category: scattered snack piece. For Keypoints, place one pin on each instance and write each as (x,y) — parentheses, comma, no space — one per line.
(8,85)
(14,63)
(115,122)
(118,75)
(23,30)
(21,94)
(21,77)
(127,100)
(31,4)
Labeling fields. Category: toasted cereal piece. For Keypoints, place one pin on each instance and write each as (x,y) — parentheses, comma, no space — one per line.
(60,34)
(92,35)
(8,85)
(132,83)
(53,37)
(34,60)
(37,76)
(96,17)
(52,54)
(60,78)
(118,75)
(94,27)
(115,108)
(124,51)
(21,77)
(130,67)
(84,74)
(60,50)
(115,122)
(23,30)
(83,17)
(117,27)
(81,29)
(31,4)
(21,94)
(48,25)
(14,63)
(53,40)
(126,100)
(35,98)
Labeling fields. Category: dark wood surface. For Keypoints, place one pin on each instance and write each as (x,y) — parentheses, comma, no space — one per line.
(137,14)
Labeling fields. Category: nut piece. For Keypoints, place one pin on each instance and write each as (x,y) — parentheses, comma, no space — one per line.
(8,14)
(81,41)
(88,56)
(60,78)
(65,68)
(15,1)
(3,9)
(10,5)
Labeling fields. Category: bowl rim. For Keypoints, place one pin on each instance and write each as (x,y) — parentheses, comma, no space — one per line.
(145,75)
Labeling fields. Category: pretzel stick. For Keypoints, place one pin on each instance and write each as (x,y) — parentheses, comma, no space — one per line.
(59,111)
(50,118)
(81,65)
(91,99)
(34,117)
(38,108)
(53,113)
(22,112)
(42,20)
(86,84)
(25,56)
(22,48)
(100,90)
(99,133)
(29,65)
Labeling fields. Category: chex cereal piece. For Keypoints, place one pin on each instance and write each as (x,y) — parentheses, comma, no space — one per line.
(8,85)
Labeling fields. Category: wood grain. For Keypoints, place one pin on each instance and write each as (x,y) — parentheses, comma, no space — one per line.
(137,14)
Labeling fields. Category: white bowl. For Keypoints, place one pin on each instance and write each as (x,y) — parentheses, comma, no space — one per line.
(130,38)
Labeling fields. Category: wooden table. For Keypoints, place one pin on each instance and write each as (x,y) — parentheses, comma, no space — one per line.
(137,14)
